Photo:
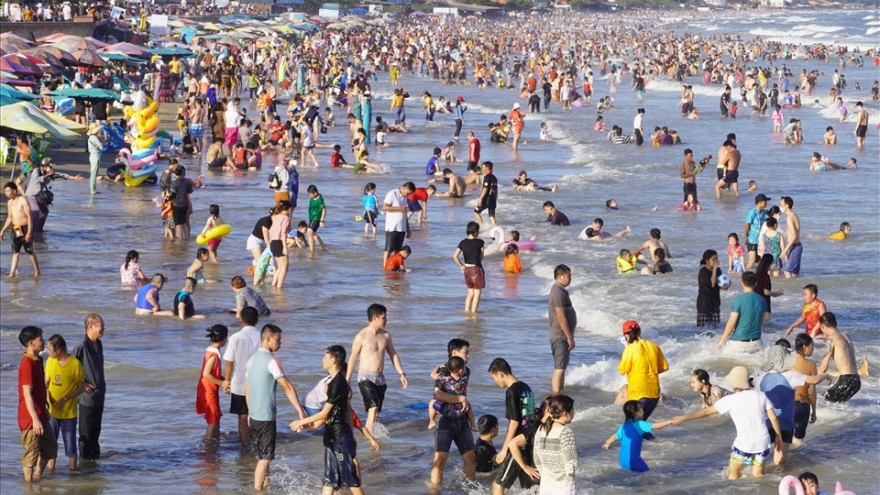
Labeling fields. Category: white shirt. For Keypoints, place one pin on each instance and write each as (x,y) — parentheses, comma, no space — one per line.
(241,346)
(317,396)
(748,410)
(232,117)
(637,122)
(395,221)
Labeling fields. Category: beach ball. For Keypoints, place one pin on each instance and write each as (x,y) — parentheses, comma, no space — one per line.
(723,281)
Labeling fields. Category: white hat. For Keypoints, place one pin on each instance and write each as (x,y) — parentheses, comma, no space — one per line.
(516,106)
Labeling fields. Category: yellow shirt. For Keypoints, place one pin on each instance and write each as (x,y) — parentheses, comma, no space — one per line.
(642,362)
(837,236)
(174,66)
(62,381)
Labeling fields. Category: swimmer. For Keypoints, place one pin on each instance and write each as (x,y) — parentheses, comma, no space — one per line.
(660,265)
(595,233)
(753,186)
(196,269)
(633,431)
(652,244)
(830,137)
(626,263)
(396,262)
(184,308)
(852,164)
(524,183)
(611,204)
(841,234)
(819,163)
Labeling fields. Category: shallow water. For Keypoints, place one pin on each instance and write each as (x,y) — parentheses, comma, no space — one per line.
(152,438)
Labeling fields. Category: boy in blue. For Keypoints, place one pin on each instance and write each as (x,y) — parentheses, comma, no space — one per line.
(631,433)
(752,230)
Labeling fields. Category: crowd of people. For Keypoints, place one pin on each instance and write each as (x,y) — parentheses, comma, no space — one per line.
(770,409)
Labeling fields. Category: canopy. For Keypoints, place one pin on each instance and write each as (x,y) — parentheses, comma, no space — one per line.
(25,117)
(125,49)
(86,94)
(88,58)
(10,92)
(62,55)
(17,65)
(169,51)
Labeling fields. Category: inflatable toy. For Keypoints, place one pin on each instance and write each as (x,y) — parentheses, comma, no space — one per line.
(522,245)
(217,232)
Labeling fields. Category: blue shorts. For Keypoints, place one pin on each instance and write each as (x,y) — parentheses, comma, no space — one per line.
(339,467)
(793,265)
(414,206)
(67,429)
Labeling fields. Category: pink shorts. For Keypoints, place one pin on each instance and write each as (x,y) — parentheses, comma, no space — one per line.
(213,244)
(231,136)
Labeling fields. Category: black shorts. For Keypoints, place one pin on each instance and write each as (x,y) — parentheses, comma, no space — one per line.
(787,435)
(648,406)
(861,131)
(370,217)
(561,354)
(238,404)
(509,471)
(277,248)
(394,241)
(456,430)
(374,395)
(753,248)
(263,433)
(339,469)
(843,390)
(314,225)
(18,240)
(732,177)
(802,412)
(481,209)
(720,173)
(179,213)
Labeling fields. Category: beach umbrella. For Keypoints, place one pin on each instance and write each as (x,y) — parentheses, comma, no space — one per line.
(8,91)
(10,37)
(88,58)
(12,45)
(86,94)
(50,38)
(24,83)
(63,55)
(22,67)
(25,117)
(74,43)
(40,57)
(210,26)
(126,49)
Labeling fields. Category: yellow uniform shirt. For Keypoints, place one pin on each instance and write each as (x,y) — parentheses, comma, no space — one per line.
(642,362)
(62,381)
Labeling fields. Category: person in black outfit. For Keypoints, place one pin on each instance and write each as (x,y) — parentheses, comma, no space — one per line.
(91,403)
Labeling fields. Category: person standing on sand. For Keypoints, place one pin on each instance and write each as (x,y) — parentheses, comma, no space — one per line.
(563,321)
(91,403)
(369,346)
(264,373)
(241,346)
(18,216)
(793,237)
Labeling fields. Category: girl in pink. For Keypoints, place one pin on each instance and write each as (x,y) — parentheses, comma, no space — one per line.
(735,254)
(777,119)
(208,389)
(278,241)
(130,272)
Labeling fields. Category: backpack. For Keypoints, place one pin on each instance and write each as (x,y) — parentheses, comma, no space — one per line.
(274,181)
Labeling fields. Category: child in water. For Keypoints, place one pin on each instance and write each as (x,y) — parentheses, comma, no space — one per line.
(130,272)
(214,221)
(599,125)
(196,269)
(545,136)
(841,234)
(735,254)
(631,434)
(371,208)
(512,263)
(484,450)
(210,380)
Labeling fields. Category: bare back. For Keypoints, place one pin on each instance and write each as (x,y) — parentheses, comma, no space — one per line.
(793,230)
(733,159)
(842,353)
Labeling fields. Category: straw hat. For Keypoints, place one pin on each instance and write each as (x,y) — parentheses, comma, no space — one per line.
(94,127)
(738,378)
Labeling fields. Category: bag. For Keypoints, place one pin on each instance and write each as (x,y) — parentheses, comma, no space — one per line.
(274,181)
(45,197)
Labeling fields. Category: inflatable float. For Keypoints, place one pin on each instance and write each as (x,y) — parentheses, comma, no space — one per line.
(217,232)
(789,482)
(522,245)
(134,178)
(126,156)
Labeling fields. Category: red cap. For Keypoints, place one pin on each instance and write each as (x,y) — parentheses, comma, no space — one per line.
(631,325)
(461,99)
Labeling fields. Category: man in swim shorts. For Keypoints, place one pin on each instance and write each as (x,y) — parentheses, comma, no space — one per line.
(19,218)
(793,237)
(370,346)
(731,174)
(839,348)
(861,125)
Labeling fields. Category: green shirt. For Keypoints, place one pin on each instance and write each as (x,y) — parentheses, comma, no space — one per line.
(316,207)
(751,308)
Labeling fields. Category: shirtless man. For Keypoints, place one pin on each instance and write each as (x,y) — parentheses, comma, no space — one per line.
(861,129)
(731,175)
(652,245)
(370,345)
(18,217)
(721,169)
(474,177)
(793,237)
(839,348)
(456,184)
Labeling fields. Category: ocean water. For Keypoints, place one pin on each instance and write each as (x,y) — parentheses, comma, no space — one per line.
(152,439)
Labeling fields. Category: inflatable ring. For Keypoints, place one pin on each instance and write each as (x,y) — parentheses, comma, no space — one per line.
(144,143)
(151,125)
(217,232)
(131,181)
(523,245)
(148,169)
(790,482)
